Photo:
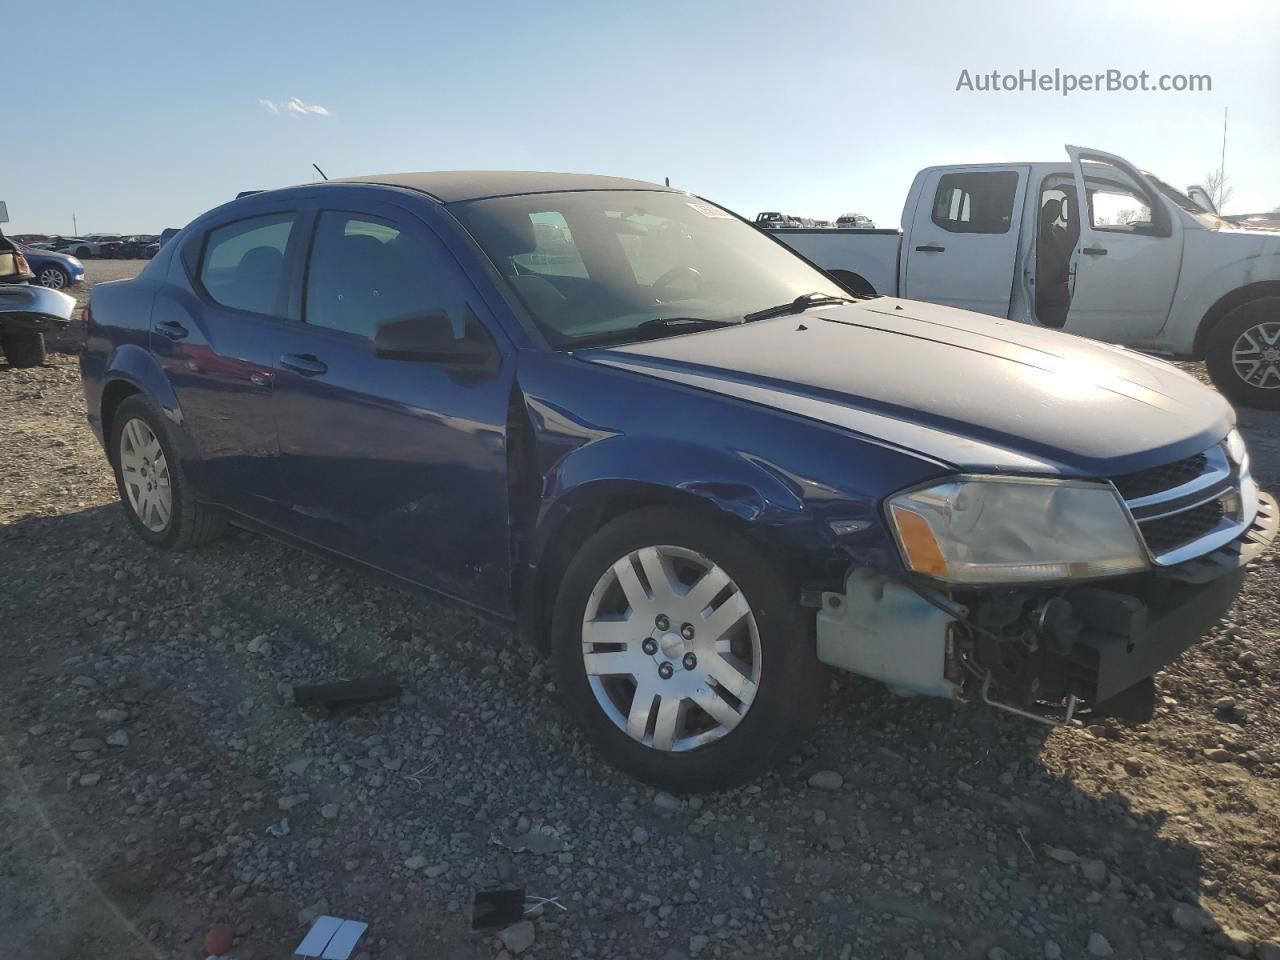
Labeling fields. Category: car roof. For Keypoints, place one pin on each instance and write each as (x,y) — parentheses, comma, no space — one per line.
(451,186)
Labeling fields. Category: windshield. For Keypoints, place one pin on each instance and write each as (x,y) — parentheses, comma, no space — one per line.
(1210,220)
(593,266)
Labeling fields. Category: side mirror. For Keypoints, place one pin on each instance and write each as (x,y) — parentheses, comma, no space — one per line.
(431,339)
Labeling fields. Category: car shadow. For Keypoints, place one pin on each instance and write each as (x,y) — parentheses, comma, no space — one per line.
(955,828)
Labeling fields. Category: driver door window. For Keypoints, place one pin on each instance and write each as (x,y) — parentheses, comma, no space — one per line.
(1115,208)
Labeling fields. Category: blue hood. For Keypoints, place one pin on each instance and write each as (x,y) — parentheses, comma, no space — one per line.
(974,391)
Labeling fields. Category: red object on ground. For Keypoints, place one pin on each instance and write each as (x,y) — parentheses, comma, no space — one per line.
(219,939)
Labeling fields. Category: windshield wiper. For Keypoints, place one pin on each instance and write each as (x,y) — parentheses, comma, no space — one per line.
(649,330)
(798,305)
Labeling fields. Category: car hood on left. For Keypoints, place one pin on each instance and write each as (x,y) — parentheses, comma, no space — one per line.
(977,392)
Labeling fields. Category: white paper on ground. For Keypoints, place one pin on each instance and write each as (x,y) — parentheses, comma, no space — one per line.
(318,936)
(344,941)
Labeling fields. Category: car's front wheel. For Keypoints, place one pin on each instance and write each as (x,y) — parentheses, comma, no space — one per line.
(1243,354)
(53,277)
(157,496)
(682,650)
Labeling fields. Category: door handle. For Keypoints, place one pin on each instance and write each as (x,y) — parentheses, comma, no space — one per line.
(171,329)
(304,363)
(930,248)
(1095,251)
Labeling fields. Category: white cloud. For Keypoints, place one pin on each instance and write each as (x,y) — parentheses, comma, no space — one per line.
(295,106)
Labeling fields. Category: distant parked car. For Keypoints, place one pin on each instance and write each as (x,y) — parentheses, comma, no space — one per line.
(105,246)
(52,269)
(855,221)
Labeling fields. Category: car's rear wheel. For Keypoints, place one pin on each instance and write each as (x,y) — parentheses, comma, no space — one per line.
(153,484)
(1243,354)
(23,349)
(682,651)
(84,253)
(53,277)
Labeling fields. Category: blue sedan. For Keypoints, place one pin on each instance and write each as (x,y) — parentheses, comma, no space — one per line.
(674,455)
(52,269)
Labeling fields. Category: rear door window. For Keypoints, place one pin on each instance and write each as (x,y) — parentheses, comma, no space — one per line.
(980,202)
(243,264)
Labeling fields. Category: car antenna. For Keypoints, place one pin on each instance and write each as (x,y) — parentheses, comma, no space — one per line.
(319,171)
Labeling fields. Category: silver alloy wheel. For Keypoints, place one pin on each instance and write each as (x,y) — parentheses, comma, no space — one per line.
(1255,356)
(671,648)
(53,278)
(146,475)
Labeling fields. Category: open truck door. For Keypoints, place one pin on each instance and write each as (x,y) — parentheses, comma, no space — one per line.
(1125,266)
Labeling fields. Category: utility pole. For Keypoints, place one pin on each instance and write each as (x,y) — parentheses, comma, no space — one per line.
(75,227)
(1222,164)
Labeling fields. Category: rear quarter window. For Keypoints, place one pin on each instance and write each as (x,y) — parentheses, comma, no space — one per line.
(242,264)
(980,202)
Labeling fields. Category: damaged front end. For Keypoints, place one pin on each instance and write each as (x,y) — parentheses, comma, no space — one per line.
(1043,651)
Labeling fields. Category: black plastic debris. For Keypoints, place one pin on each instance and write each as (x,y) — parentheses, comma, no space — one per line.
(497,908)
(347,692)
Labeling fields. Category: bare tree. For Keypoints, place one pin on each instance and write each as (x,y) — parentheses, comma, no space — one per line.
(1218,185)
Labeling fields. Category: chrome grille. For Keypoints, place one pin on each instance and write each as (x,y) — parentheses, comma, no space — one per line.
(1146,482)
(1190,507)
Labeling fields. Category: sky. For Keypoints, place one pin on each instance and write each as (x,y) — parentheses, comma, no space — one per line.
(145,114)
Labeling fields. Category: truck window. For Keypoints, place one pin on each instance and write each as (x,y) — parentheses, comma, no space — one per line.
(1114,207)
(980,202)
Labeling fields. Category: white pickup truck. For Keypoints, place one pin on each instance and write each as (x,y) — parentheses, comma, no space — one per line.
(1095,247)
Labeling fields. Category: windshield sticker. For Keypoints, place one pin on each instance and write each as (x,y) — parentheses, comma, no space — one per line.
(707,210)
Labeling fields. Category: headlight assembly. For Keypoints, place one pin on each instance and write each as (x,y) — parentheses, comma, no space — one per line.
(1236,450)
(987,530)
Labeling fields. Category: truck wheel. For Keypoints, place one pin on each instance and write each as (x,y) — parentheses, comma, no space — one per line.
(24,349)
(83,253)
(1243,354)
(682,651)
(157,496)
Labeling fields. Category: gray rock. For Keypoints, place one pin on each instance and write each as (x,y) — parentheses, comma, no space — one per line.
(1095,871)
(118,739)
(90,779)
(436,870)
(1219,755)
(1099,946)
(298,767)
(1224,704)
(666,801)
(1237,940)
(87,745)
(1270,950)
(416,862)
(518,937)
(698,943)
(639,835)
(1052,951)
(1060,854)
(329,811)
(1192,919)
(307,915)
(998,953)
(260,645)
(826,780)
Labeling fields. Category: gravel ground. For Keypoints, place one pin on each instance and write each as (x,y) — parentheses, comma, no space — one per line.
(155,778)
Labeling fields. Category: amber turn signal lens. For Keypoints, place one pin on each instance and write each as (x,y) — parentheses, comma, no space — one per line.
(918,543)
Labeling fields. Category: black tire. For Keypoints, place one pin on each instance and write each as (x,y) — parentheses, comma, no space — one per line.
(1222,342)
(53,277)
(789,675)
(24,349)
(83,253)
(190,523)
